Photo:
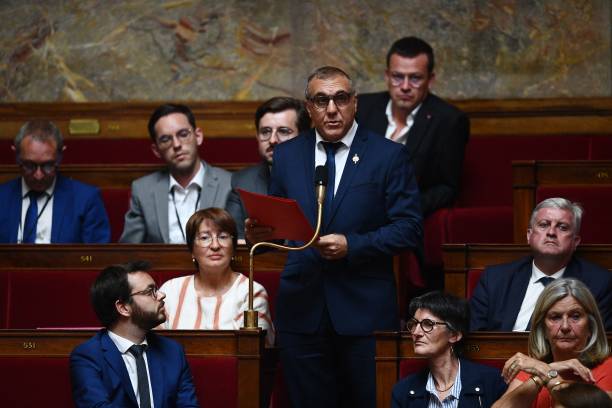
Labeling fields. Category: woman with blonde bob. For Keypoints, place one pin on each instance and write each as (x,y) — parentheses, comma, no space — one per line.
(567,343)
(215,297)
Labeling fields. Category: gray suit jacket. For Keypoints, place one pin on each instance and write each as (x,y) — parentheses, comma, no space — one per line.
(254,179)
(147,218)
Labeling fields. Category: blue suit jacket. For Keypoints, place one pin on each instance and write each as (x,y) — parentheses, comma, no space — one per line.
(78,213)
(376,207)
(499,294)
(481,386)
(100,379)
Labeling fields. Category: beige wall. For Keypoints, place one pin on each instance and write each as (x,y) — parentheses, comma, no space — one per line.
(106,50)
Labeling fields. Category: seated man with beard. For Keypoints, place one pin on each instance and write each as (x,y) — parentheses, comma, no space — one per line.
(126,364)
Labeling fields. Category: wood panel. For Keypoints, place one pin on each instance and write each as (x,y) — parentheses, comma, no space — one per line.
(460,258)
(117,120)
(245,345)
(529,175)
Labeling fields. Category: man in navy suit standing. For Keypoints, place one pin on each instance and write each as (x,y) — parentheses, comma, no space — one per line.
(506,294)
(42,206)
(127,365)
(332,297)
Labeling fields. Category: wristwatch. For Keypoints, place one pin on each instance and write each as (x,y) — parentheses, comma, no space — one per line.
(551,374)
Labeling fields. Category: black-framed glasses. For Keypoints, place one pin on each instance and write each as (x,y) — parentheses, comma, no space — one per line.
(321,101)
(205,240)
(427,325)
(283,133)
(150,291)
(31,167)
(181,135)
(414,80)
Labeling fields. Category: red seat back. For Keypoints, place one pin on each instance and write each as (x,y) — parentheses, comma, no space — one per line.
(215,380)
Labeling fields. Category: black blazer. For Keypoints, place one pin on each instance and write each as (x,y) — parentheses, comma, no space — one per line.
(481,386)
(436,143)
(499,294)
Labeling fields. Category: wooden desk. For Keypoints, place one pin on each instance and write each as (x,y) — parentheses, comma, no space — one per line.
(32,347)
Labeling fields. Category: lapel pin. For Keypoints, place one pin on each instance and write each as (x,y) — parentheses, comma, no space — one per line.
(355,158)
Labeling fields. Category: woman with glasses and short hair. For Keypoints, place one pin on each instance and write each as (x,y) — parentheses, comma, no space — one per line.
(567,342)
(215,297)
(437,327)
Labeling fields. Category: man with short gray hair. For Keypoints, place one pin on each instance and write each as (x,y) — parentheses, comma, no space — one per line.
(506,294)
(42,206)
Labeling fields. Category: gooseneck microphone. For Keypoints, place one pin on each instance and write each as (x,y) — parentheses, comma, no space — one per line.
(250,315)
(320,183)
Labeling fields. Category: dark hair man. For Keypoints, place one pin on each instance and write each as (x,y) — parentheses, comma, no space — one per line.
(434,131)
(126,364)
(162,202)
(42,206)
(276,120)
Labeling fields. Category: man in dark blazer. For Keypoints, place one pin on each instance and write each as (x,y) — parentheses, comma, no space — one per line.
(276,120)
(333,296)
(506,294)
(434,131)
(126,365)
(43,207)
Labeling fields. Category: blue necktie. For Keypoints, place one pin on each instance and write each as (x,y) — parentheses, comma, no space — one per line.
(31,218)
(330,149)
(546,280)
(141,370)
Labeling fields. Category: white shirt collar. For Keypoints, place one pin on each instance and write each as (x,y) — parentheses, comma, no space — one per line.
(197,180)
(347,140)
(537,274)
(122,343)
(411,115)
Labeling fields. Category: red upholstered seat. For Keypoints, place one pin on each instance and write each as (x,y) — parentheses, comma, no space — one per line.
(50,298)
(215,380)
(480,224)
(4,298)
(116,202)
(595,199)
(35,382)
(473,276)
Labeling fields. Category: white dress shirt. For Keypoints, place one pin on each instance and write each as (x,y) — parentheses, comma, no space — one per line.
(341,154)
(185,203)
(534,288)
(45,213)
(451,400)
(402,136)
(123,346)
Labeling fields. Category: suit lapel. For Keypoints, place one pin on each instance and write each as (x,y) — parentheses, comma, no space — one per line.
(14,208)
(417,132)
(516,293)
(61,206)
(350,169)
(160,202)
(310,209)
(210,187)
(379,121)
(156,372)
(573,270)
(115,361)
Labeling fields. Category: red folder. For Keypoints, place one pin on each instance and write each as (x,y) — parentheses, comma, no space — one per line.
(284,215)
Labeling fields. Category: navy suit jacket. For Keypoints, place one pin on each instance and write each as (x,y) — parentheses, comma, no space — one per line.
(436,142)
(499,294)
(100,378)
(481,386)
(78,213)
(254,179)
(376,207)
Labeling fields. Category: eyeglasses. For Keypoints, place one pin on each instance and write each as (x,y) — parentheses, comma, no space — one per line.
(282,133)
(427,325)
(150,291)
(321,101)
(415,81)
(31,167)
(224,239)
(182,135)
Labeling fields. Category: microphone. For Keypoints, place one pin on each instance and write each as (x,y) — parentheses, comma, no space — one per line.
(320,182)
